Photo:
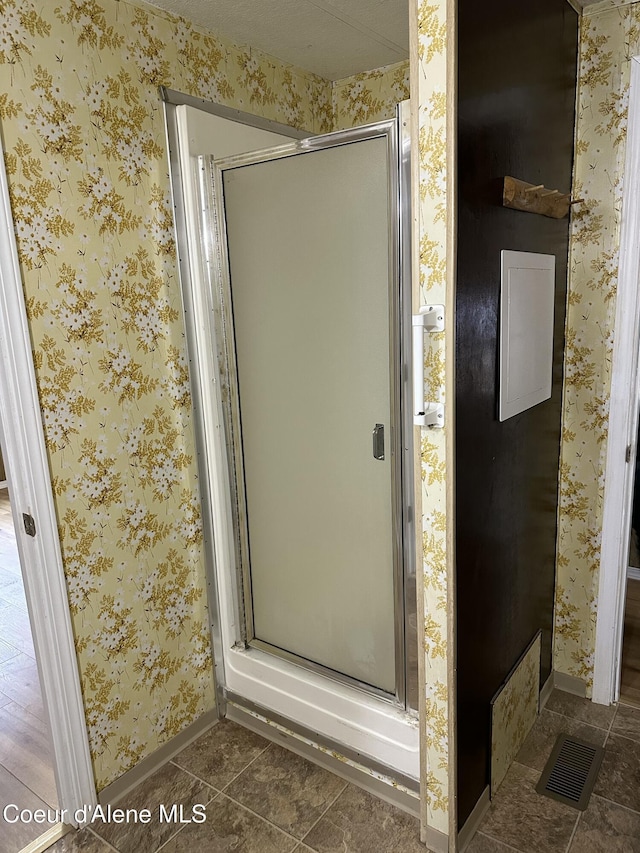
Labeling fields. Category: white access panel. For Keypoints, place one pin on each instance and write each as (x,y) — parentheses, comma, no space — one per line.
(527,298)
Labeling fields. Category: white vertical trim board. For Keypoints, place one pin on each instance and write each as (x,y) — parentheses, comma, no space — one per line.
(40,557)
(623,423)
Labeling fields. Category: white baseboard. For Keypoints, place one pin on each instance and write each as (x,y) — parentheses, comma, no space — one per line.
(474,820)
(547,690)
(436,841)
(570,684)
(145,768)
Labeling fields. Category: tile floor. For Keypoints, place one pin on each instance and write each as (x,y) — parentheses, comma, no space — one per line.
(260,798)
(521,821)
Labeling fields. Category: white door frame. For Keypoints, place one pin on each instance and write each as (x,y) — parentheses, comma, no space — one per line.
(623,424)
(40,555)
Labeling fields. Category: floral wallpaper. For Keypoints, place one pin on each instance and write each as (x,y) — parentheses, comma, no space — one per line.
(369,96)
(513,712)
(610,36)
(433,102)
(84,138)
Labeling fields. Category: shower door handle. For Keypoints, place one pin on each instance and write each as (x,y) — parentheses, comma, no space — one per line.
(378,441)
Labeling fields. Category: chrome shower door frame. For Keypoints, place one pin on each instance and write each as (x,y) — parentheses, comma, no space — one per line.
(395,132)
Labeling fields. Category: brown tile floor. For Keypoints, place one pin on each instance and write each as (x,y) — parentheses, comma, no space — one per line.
(26,768)
(521,821)
(259,798)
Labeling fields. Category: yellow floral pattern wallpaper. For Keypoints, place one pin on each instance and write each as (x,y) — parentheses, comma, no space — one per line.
(85,154)
(84,137)
(433,102)
(369,96)
(610,36)
(513,712)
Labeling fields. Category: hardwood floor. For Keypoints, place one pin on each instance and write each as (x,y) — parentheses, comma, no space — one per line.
(26,767)
(630,682)
(15,836)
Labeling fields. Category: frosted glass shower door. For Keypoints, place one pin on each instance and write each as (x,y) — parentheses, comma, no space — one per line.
(311,260)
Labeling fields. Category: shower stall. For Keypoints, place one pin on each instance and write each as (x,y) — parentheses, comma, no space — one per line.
(295,263)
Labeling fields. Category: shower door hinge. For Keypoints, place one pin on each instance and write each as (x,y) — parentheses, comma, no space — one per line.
(29,524)
(430,319)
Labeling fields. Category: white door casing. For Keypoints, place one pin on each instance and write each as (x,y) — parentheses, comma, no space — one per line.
(40,555)
(623,424)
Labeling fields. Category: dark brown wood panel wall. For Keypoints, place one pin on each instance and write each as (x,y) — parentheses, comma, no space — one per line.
(516,101)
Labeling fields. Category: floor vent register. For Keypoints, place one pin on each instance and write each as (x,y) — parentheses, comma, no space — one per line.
(571,772)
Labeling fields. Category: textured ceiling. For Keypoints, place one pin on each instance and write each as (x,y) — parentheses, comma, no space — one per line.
(332,38)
